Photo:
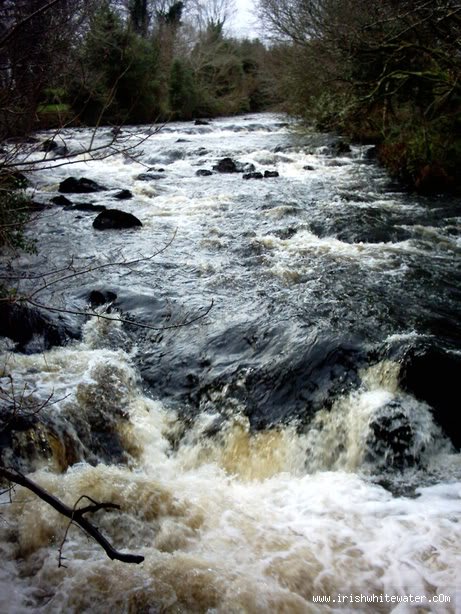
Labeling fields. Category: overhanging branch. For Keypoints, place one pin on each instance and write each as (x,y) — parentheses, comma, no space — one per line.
(74,515)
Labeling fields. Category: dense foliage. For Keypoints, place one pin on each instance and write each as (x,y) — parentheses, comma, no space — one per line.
(385,70)
(115,61)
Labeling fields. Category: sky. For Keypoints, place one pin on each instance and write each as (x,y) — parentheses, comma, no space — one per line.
(245,22)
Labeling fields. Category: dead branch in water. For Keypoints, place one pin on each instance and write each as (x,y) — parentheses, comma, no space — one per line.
(75,515)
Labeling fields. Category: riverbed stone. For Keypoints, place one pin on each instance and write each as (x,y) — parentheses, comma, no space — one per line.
(253,175)
(72,185)
(227,165)
(432,375)
(62,201)
(97,298)
(123,195)
(149,177)
(33,330)
(114,219)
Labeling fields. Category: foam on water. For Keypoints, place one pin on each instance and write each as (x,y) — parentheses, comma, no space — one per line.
(229,520)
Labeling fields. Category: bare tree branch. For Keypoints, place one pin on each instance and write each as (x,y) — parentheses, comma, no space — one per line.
(75,515)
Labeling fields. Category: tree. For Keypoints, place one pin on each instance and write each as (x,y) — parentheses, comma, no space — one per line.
(34,46)
(211,14)
(396,65)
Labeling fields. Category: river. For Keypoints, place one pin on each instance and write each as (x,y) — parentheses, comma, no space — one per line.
(281,427)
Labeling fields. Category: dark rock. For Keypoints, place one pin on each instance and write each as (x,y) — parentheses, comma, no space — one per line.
(149,177)
(286,233)
(182,141)
(282,148)
(254,175)
(62,201)
(432,375)
(201,122)
(97,298)
(268,174)
(28,438)
(391,443)
(60,151)
(227,165)
(371,153)
(22,323)
(71,185)
(49,145)
(203,172)
(341,148)
(123,195)
(308,167)
(115,219)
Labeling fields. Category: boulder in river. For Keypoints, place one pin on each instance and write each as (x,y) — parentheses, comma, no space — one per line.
(340,148)
(123,195)
(71,185)
(33,330)
(114,219)
(268,174)
(253,175)
(49,145)
(432,374)
(149,177)
(227,165)
(97,298)
(62,201)
(392,439)
(203,172)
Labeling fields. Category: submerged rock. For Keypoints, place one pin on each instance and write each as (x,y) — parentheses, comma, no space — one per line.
(203,172)
(149,177)
(32,330)
(49,145)
(123,195)
(97,298)
(341,148)
(114,219)
(62,201)
(71,185)
(253,175)
(392,440)
(227,165)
